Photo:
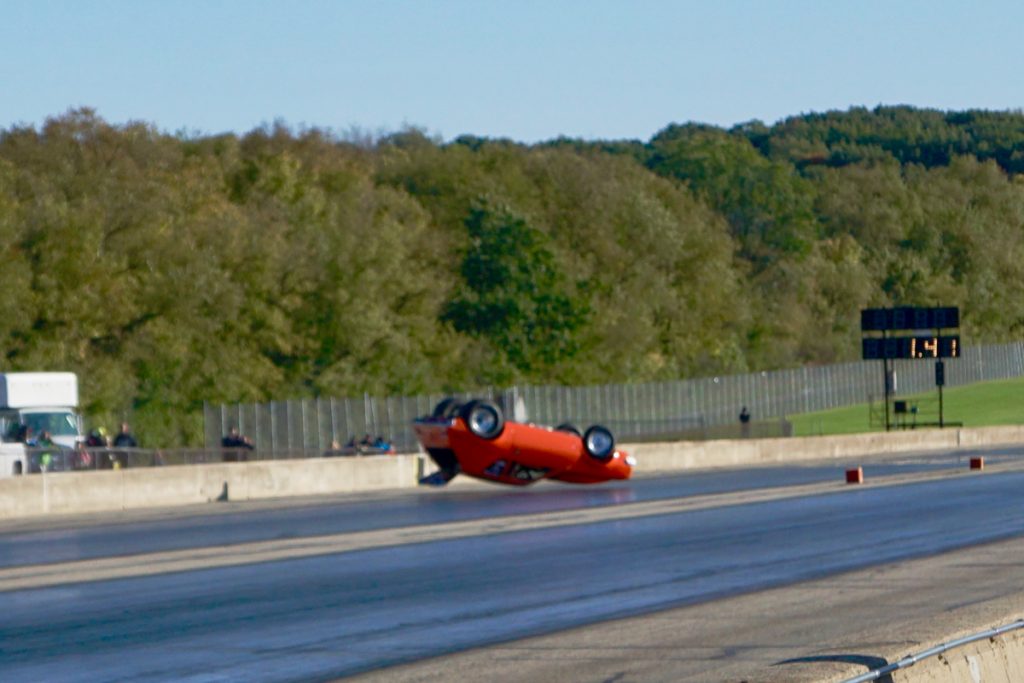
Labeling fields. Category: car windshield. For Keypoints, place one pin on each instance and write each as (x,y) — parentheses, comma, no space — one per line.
(61,423)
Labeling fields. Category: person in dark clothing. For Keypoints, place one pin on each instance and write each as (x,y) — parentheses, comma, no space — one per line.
(745,423)
(98,445)
(124,438)
(97,438)
(235,445)
(23,434)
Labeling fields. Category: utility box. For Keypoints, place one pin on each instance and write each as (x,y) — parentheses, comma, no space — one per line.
(38,389)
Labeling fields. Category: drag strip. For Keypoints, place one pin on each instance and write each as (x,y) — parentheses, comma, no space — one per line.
(127,565)
(65,538)
(320,607)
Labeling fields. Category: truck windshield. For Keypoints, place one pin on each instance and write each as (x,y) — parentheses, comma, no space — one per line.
(58,423)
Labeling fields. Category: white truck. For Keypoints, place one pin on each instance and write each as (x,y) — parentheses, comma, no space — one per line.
(38,401)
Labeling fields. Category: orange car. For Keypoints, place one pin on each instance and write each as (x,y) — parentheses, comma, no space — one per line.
(475,439)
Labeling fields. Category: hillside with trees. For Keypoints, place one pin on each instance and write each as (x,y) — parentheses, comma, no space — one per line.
(169,270)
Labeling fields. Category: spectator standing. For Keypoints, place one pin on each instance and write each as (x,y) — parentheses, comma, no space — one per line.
(25,435)
(46,448)
(98,443)
(83,458)
(235,445)
(97,438)
(745,422)
(124,439)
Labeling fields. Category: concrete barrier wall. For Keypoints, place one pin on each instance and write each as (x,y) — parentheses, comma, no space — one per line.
(658,457)
(994,660)
(68,492)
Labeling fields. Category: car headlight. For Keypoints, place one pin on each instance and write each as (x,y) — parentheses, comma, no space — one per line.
(631,461)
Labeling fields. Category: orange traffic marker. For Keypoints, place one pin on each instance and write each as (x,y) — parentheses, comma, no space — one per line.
(978,463)
(855,476)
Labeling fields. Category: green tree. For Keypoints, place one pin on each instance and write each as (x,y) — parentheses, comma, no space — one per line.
(768,205)
(514,297)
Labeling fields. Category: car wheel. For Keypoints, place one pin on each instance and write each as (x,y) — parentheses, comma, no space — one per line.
(568,427)
(448,408)
(483,418)
(599,442)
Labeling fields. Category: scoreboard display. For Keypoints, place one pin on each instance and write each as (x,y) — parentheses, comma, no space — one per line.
(909,318)
(875,348)
(910,332)
(922,336)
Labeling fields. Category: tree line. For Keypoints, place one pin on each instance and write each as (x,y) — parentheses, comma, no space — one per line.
(169,270)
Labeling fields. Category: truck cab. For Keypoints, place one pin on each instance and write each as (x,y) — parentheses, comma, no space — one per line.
(32,403)
(63,424)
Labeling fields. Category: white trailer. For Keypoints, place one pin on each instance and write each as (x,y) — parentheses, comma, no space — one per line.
(33,403)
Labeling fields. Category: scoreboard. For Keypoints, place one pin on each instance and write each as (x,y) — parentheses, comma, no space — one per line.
(910,332)
(874,348)
(919,322)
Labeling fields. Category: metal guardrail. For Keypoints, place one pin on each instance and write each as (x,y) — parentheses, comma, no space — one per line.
(910,660)
(62,459)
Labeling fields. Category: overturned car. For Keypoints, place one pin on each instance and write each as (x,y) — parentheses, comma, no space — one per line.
(474,438)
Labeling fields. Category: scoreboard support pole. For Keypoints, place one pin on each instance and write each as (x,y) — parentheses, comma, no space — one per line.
(886,383)
(887,377)
(942,422)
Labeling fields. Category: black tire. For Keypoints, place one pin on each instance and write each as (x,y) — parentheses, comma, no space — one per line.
(483,418)
(448,408)
(599,442)
(568,427)
(17,469)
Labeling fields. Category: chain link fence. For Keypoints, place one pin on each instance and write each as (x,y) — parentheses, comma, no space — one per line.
(61,459)
(695,408)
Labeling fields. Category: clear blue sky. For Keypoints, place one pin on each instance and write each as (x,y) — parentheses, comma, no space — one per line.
(529,70)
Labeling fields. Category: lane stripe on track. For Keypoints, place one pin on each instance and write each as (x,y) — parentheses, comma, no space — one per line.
(149,564)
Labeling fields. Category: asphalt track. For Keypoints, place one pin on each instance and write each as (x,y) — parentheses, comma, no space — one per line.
(317,590)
